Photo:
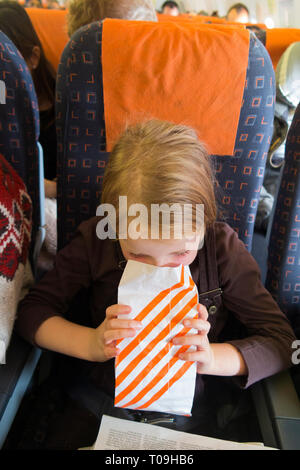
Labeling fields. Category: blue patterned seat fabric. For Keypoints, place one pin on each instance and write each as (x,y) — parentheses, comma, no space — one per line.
(19,132)
(240,177)
(19,121)
(82,143)
(283,277)
(80,130)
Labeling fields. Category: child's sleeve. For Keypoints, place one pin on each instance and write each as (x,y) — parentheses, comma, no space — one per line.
(53,294)
(267,349)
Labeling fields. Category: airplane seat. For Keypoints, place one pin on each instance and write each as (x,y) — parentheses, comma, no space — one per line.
(87,126)
(51,28)
(287,99)
(19,131)
(278,40)
(82,129)
(283,277)
(191,18)
(281,393)
(245,169)
(80,125)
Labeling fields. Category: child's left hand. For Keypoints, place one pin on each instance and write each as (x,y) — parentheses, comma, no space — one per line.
(204,355)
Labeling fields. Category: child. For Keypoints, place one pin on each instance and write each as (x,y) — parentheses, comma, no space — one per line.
(154,163)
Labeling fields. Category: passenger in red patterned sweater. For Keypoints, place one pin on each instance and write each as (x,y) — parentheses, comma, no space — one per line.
(15,234)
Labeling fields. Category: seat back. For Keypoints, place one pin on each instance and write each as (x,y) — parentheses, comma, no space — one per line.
(283,276)
(192,18)
(19,131)
(81,139)
(82,129)
(19,122)
(51,28)
(278,40)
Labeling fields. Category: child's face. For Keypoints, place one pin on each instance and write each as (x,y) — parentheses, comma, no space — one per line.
(163,253)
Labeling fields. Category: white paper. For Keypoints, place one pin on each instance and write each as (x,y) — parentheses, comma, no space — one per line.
(119,434)
(149,375)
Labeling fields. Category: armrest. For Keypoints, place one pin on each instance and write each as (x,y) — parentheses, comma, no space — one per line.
(278,411)
(15,377)
(41,233)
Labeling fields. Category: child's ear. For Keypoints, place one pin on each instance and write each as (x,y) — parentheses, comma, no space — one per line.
(34,59)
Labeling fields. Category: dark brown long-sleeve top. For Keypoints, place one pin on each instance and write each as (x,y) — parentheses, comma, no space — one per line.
(88,262)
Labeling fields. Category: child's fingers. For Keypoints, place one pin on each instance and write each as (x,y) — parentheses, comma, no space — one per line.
(193,356)
(199,324)
(189,356)
(202,326)
(202,310)
(191,340)
(114,310)
(113,335)
(115,328)
(118,323)
(111,351)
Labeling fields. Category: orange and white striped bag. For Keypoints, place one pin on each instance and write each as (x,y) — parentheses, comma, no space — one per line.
(148,372)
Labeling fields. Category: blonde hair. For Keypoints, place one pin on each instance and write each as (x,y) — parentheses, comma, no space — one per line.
(82,12)
(157,162)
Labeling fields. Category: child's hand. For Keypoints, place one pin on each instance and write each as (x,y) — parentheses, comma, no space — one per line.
(204,355)
(104,344)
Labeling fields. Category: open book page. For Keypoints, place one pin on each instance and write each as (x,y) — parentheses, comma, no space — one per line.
(119,434)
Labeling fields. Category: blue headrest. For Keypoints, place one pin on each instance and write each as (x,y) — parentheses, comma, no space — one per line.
(19,119)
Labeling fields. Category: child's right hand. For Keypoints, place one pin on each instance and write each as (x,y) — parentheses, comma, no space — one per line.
(113,328)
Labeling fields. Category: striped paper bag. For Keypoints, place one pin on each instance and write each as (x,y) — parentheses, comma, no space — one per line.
(148,373)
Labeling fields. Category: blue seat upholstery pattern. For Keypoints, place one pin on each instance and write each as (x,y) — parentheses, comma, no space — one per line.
(240,176)
(19,121)
(80,131)
(283,276)
(19,132)
(82,143)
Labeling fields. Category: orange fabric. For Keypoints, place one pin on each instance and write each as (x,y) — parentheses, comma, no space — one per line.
(278,40)
(259,25)
(196,18)
(51,28)
(186,73)
(244,25)
(211,19)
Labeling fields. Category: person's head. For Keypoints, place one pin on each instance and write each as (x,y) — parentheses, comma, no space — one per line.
(159,166)
(82,12)
(259,33)
(170,8)
(16,24)
(238,13)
